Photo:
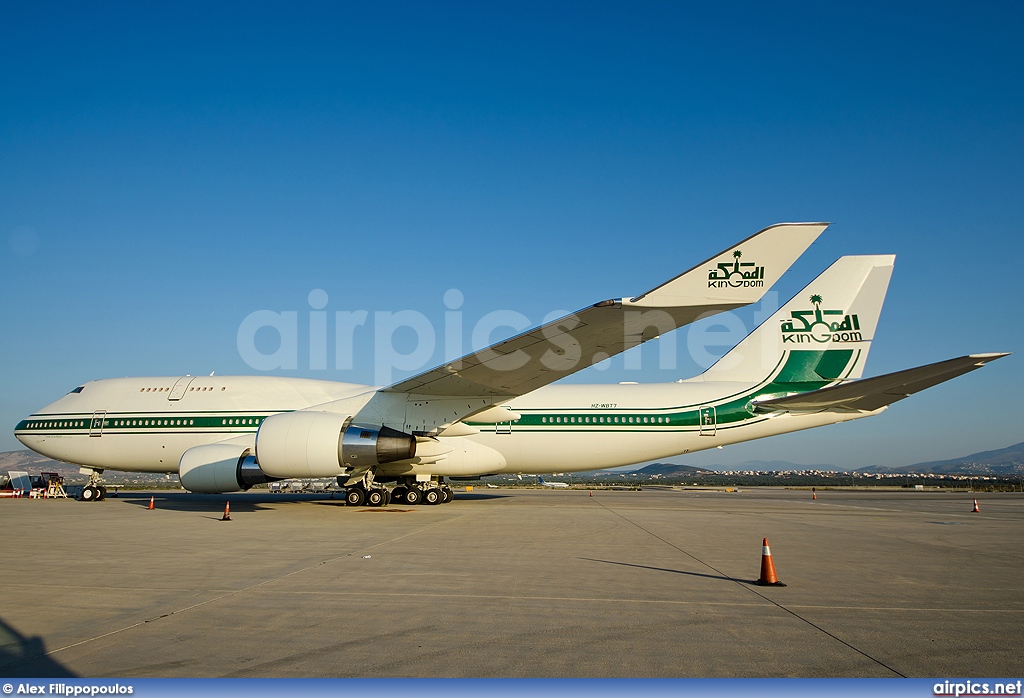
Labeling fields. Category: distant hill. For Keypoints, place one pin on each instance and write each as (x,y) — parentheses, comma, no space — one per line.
(1003,461)
(669,469)
(33,464)
(29,460)
(760,465)
(777,465)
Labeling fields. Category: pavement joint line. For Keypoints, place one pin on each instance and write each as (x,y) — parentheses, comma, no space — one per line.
(534,597)
(900,511)
(243,589)
(774,517)
(600,599)
(752,591)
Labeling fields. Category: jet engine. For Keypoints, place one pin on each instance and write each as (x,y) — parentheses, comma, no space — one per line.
(215,468)
(325,444)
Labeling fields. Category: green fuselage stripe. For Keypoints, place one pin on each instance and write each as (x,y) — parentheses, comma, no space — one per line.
(799,371)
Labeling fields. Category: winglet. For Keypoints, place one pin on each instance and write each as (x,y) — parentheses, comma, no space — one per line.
(740,274)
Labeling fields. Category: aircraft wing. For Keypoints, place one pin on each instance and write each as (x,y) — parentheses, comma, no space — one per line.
(737,276)
(870,394)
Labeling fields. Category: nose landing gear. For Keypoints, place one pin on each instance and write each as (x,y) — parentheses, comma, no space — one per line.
(94,491)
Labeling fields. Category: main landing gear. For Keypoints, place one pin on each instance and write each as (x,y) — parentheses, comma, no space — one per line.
(94,491)
(408,492)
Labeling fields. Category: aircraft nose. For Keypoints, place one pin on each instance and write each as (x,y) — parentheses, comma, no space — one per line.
(19,432)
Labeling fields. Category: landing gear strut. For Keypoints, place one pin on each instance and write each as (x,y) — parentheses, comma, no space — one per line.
(94,491)
(408,491)
(367,492)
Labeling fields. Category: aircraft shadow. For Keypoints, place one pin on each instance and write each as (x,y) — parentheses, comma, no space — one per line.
(210,503)
(26,656)
(665,569)
(247,502)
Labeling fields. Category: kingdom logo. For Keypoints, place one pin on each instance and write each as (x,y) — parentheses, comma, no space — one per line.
(732,274)
(811,325)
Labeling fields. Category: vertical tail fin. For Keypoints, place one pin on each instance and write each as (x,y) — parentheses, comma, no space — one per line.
(829,325)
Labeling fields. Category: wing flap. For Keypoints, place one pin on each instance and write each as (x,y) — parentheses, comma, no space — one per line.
(870,394)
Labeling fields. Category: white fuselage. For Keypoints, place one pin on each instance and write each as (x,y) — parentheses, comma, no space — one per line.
(146,424)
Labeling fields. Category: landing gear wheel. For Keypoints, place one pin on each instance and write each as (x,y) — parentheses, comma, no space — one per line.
(90,494)
(376,498)
(387,497)
(447,494)
(103,493)
(413,495)
(355,496)
(432,496)
(398,494)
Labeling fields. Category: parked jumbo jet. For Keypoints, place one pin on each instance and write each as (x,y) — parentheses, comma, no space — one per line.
(495,410)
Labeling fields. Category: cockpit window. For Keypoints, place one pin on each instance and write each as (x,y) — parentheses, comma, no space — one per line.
(78,389)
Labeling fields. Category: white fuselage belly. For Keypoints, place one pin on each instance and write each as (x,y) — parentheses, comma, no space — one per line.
(144,431)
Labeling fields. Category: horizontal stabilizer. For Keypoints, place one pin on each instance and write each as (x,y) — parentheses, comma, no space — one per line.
(870,394)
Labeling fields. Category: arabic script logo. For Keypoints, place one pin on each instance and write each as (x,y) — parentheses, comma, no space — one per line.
(813,325)
(736,274)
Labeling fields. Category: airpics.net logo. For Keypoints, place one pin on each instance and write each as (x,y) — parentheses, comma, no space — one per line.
(409,341)
(967,687)
(805,326)
(736,274)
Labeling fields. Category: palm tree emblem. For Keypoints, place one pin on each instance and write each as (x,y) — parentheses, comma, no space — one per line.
(736,265)
(816,299)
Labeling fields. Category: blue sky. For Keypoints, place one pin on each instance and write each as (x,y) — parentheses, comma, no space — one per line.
(167,170)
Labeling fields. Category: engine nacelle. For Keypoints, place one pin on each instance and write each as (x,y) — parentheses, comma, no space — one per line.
(216,468)
(325,444)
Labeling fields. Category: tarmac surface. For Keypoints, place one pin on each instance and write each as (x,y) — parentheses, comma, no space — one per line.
(515,582)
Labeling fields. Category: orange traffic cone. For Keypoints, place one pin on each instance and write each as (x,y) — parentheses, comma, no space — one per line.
(591,493)
(227,512)
(152,503)
(814,493)
(975,510)
(768,578)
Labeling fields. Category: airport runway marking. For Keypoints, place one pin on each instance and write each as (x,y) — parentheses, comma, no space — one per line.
(752,591)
